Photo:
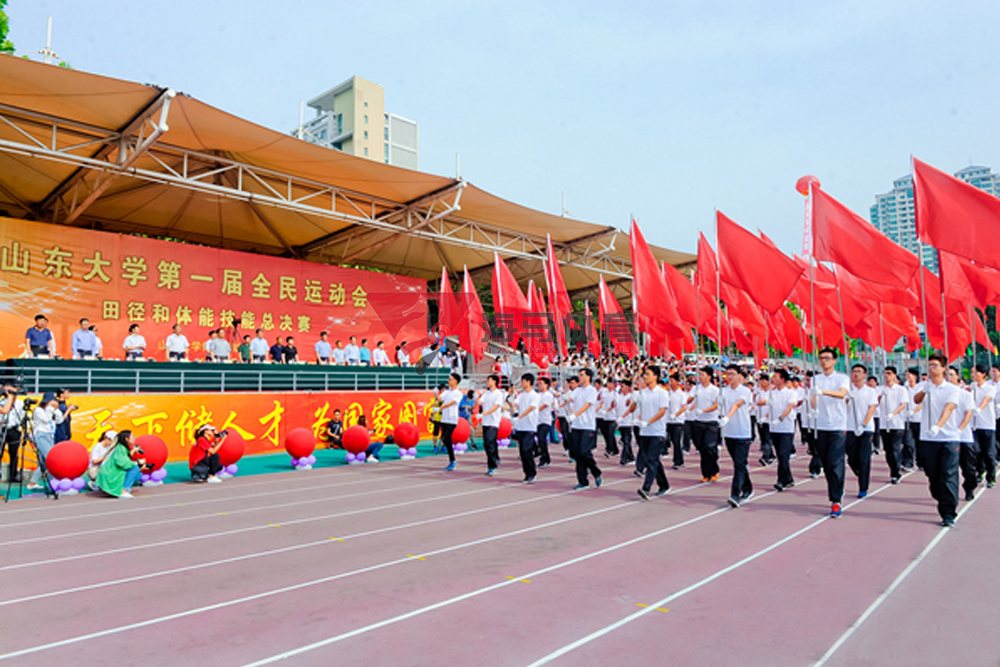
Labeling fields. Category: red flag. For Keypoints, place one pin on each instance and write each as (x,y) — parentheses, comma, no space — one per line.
(779,328)
(981,285)
(845,238)
(896,321)
(559,302)
(684,293)
(956,217)
(509,303)
(750,264)
(707,267)
(471,335)
(651,299)
(740,305)
(875,292)
(954,279)
(613,322)
(593,338)
(449,305)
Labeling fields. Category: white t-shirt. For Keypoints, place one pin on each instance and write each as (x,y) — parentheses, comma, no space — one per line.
(651,402)
(913,408)
(859,401)
(177,343)
(739,425)
(777,401)
(545,402)
(688,408)
(677,400)
(528,422)
(763,412)
(487,401)
(892,398)
(965,404)
(587,421)
(704,397)
(449,415)
(936,397)
(134,341)
(986,420)
(624,403)
(832,412)
(380,358)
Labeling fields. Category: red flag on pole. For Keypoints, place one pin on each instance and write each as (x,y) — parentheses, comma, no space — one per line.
(707,267)
(509,303)
(956,217)
(613,322)
(845,238)
(559,303)
(684,292)
(593,338)
(750,264)
(471,335)
(448,306)
(651,299)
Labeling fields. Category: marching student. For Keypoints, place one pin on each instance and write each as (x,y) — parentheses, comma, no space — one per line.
(545,403)
(737,431)
(968,456)
(652,410)
(895,401)
(782,401)
(583,430)
(984,423)
(704,403)
(491,404)
(675,419)
(565,406)
(877,419)
(450,398)
(939,437)
(626,420)
(760,407)
(829,391)
(862,402)
(686,437)
(606,424)
(526,426)
(809,426)
(911,436)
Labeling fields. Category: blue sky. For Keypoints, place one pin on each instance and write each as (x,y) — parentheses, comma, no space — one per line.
(662,110)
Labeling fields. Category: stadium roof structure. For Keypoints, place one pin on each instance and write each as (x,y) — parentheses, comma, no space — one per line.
(91,151)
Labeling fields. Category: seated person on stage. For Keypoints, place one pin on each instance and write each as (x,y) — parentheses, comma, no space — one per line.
(277,351)
(98,455)
(120,471)
(371,454)
(335,431)
(289,352)
(38,341)
(134,344)
(204,459)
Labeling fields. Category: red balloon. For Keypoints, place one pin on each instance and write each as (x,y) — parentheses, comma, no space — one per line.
(462,432)
(232,450)
(356,439)
(67,460)
(505,429)
(802,185)
(300,443)
(406,435)
(155,448)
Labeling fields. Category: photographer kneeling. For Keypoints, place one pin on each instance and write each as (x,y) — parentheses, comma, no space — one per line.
(119,471)
(204,460)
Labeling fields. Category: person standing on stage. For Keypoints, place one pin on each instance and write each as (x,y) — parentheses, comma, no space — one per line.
(782,401)
(259,347)
(526,426)
(704,403)
(984,423)
(737,431)
(862,402)
(491,404)
(760,407)
(652,421)
(968,457)
(911,436)
(365,354)
(894,404)
(675,419)
(828,394)
(546,402)
(84,341)
(177,345)
(134,344)
(277,351)
(353,352)
(450,398)
(38,340)
(322,349)
(583,430)
(939,437)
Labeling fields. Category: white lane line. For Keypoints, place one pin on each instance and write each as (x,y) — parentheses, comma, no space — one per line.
(892,587)
(380,566)
(693,587)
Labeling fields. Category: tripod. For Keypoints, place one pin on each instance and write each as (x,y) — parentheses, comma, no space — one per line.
(28,441)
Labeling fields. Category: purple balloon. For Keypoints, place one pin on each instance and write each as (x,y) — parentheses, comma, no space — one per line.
(350,457)
(145,477)
(65,484)
(312,459)
(360,457)
(232,468)
(79,483)
(159,475)
(413,451)
(295,462)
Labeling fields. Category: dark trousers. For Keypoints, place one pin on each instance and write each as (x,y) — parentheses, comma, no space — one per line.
(783,443)
(859,457)
(652,447)
(893,441)
(607,428)
(542,446)
(627,455)
(911,443)
(706,440)
(830,446)
(12,443)
(640,459)
(940,461)
(968,460)
(877,436)
(490,446)
(582,452)
(675,433)
(526,448)
(753,428)
(686,435)
(564,432)
(766,445)
(447,430)
(987,454)
(815,460)
(207,467)
(739,451)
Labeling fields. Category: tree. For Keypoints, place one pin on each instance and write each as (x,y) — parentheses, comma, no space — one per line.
(5,44)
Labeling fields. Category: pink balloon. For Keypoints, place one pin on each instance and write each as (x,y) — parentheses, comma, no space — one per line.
(802,185)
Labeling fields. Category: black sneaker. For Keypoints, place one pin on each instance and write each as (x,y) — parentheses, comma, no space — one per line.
(789,485)
(895,480)
(528,480)
(990,485)
(814,475)
(677,466)
(637,473)
(662,492)
(970,496)
(948,523)
(643,493)
(543,466)
(734,502)
(581,486)
(746,497)
(779,488)
(598,481)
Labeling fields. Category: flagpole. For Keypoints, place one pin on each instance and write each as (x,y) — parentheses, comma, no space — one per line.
(923,298)
(697,317)
(843,330)
(718,288)
(972,331)
(944,315)
(881,337)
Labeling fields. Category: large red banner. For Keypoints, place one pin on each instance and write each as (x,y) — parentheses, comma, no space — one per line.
(67,273)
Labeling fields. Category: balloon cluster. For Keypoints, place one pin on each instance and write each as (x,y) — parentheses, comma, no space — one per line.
(68,486)
(155,452)
(504,442)
(407,436)
(305,463)
(300,444)
(66,464)
(152,478)
(356,442)
(231,451)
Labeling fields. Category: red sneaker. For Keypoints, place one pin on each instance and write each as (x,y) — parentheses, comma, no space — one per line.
(835,510)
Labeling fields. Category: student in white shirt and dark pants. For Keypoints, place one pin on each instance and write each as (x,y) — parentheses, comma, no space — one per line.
(895,400)
(738,433)
(704,404)
(546,401)
(526,426)
(782,401)
(939,437)
(862,402)
(653,406)
(984,398)
(450,398)
(583,429)
(491,404)
(828,399)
